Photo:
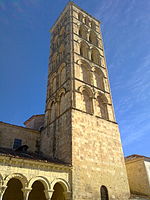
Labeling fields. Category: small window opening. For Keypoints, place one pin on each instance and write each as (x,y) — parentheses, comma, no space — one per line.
(17,143)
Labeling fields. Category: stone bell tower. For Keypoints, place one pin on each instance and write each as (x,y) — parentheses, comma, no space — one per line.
(80,126)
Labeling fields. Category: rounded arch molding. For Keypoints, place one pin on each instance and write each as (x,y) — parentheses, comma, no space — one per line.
(18,176)
(102,96)
(42,179)
(62,91)
(62,182)
(86,88)
(83,62)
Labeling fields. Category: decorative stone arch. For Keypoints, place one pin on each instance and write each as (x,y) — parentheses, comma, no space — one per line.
(83,32)
(46,190)
(83,62)
(84,49)
(49,102)
(93,38)
(102,96)
(102,102)
(66,189)
(13,186)
(95,56)
(61,66)
(96,69)
(85,71)
(51,110)
(88,89)
(42,179)
(18,176)
(63,182)
(98,78)
(86,99)
(60,92)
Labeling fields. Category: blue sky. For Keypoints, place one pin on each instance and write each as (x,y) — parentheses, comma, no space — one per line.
(24,51)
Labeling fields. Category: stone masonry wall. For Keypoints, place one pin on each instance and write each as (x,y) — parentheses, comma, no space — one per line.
(10,132)
(97,158)
(137,176)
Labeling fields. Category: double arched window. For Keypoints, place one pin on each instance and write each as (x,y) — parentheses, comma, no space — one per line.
(57,106)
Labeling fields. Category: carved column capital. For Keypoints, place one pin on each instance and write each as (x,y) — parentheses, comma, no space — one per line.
(48,194)
(26,192)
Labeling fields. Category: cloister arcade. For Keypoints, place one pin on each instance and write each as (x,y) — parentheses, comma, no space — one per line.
(18,187)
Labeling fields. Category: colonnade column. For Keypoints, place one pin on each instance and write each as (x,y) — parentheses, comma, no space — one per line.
(2,190)
(26,192)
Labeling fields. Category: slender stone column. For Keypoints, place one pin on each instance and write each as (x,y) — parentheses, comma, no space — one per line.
(48,194)
(2,190)
(26,192)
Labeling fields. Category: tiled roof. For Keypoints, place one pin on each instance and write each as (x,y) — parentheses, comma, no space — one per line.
(135,156)
(29,156)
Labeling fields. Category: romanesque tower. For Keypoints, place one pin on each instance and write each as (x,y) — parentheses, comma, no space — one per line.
(80,126)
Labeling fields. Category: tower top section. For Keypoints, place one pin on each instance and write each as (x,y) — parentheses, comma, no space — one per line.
(71,4)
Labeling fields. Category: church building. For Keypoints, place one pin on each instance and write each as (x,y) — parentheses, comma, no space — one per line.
(73,151)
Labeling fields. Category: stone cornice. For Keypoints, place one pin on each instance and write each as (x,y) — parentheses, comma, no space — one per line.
(37,164)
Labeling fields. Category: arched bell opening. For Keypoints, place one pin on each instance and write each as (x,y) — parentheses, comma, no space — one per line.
(58,192)
(38,191)
(14,190)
